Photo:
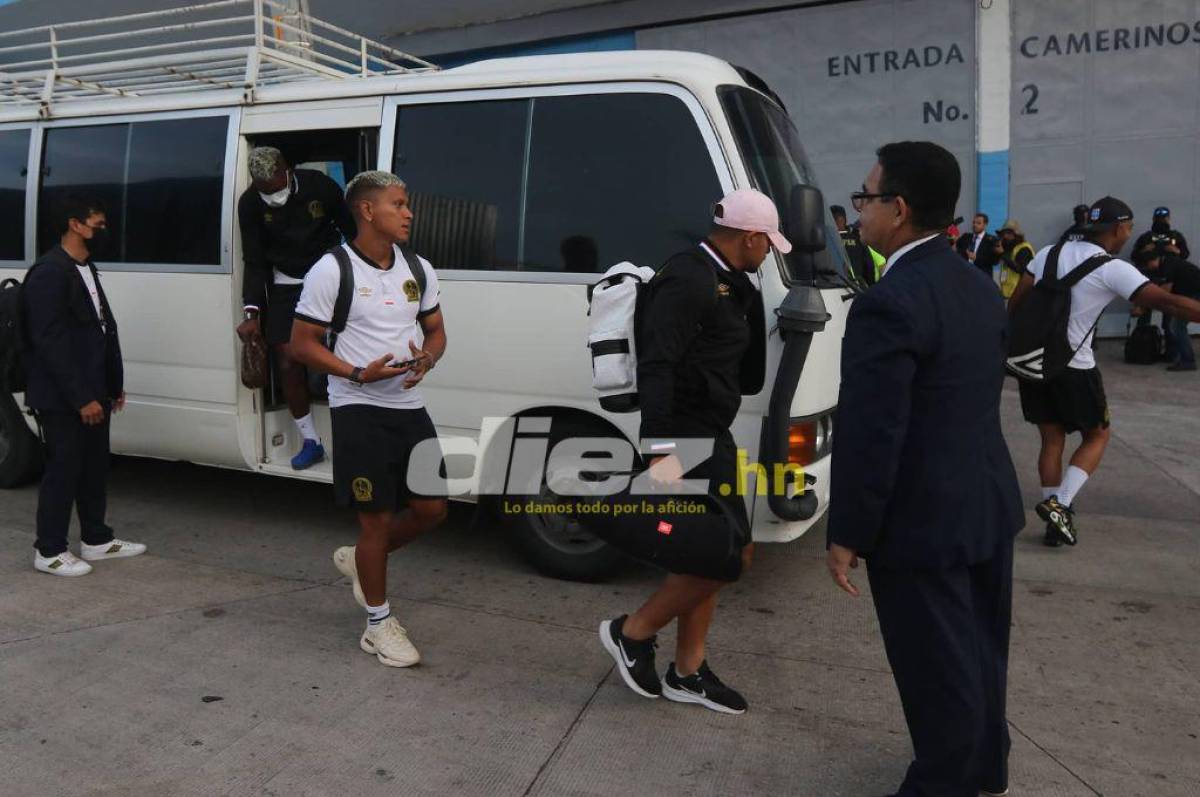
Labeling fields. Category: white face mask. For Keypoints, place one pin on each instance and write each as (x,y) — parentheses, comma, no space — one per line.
(280,197)
(277,199)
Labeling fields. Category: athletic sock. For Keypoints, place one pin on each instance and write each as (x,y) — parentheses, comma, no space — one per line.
(308,429)
(377,614)
(1050,492)
(1073,482)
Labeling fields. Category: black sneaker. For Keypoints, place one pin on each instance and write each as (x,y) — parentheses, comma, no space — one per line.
(634,658)
(1060,517)
(703,687)
(1051,538)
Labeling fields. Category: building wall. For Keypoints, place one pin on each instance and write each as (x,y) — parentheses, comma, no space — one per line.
(854,76)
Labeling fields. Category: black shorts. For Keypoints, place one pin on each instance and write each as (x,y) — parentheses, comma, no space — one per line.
(372,447)
(281,306)
(1074,399)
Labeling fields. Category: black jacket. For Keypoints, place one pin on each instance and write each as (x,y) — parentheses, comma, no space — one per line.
(701,347)
(293,237)
(1173,237)
(922,477)
(71,360)
(985,256)
(860,259)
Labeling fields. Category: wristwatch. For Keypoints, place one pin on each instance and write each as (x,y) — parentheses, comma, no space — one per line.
(250,315)
(356,375)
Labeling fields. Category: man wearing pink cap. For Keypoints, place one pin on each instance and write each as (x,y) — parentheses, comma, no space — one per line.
(701,349)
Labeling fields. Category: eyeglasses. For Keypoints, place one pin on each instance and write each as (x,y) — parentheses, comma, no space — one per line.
(860,198)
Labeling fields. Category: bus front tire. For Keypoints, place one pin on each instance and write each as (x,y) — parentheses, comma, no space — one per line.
(555,543)
(20,450)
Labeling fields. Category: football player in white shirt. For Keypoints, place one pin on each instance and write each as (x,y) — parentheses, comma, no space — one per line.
(393,336)
(1074,401)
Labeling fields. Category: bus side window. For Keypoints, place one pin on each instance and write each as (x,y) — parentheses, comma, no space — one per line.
(14,158)
(608,177)
(160,181)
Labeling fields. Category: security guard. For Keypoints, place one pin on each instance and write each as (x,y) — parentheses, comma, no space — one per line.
(75,384)
(288,218)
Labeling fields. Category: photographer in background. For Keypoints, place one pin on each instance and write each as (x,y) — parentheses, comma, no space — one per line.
(1165,243)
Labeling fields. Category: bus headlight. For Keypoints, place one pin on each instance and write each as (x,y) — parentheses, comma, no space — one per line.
(810,439)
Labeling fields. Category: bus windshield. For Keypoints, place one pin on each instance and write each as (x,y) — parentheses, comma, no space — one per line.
(775,159)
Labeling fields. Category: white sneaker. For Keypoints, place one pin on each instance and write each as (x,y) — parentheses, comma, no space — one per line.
(343,560)
(65,564)
(389,642)
(117,549)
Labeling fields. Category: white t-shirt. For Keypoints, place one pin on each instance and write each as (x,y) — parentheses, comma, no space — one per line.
(1115,279)
(384,317)
(90,282)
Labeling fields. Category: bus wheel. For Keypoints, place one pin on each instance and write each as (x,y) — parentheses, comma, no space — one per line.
(556,543)
(20,450)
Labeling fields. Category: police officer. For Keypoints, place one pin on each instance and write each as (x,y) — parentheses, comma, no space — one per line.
(861,263)
(1167,243)
(74,386)
(288,218)
(1078,225)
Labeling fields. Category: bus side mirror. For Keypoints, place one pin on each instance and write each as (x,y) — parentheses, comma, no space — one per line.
(806,220)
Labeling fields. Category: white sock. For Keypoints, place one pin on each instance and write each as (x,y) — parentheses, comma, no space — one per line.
(1073,482)
(377,614)
(1048,492)
(308,429)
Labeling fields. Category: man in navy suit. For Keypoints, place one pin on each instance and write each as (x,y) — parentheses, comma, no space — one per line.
(74,384)
(937,512)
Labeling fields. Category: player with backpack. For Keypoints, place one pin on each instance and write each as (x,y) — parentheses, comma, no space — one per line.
(382,303)
(698,350)
(1054,312)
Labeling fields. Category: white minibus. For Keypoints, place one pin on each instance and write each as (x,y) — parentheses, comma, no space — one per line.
(528,176)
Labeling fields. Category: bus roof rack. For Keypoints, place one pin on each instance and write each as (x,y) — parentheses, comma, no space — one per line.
(220,45)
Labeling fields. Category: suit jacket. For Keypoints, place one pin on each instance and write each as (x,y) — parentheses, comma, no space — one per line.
(922,476)
(985,256)
(71,360)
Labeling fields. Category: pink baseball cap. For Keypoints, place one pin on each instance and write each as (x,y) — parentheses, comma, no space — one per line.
(753,211)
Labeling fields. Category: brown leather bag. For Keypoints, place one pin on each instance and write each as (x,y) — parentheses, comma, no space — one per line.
(254,362)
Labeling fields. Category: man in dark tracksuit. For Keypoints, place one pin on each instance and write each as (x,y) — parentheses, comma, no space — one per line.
(74,384)
(702,348)
(919,410)
(288,218)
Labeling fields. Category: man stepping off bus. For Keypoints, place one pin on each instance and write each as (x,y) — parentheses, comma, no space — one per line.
(392,336)
(288,218)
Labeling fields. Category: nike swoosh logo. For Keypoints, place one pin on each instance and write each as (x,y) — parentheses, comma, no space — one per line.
(628,661)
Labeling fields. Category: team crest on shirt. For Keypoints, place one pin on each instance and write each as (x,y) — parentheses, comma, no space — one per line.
(411,291)
(316,209)
(364,290)
(722,289)
(363,489)
(267,217)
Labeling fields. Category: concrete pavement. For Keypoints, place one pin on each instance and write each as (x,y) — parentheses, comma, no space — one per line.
(225,662)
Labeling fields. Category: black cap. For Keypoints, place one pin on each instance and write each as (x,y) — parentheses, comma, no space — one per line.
(1080,209)
(1162,211)
(1107,210)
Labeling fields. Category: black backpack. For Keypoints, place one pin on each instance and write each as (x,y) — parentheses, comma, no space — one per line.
(1038,348)
(12,337)
(341,305)
(1143,345)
